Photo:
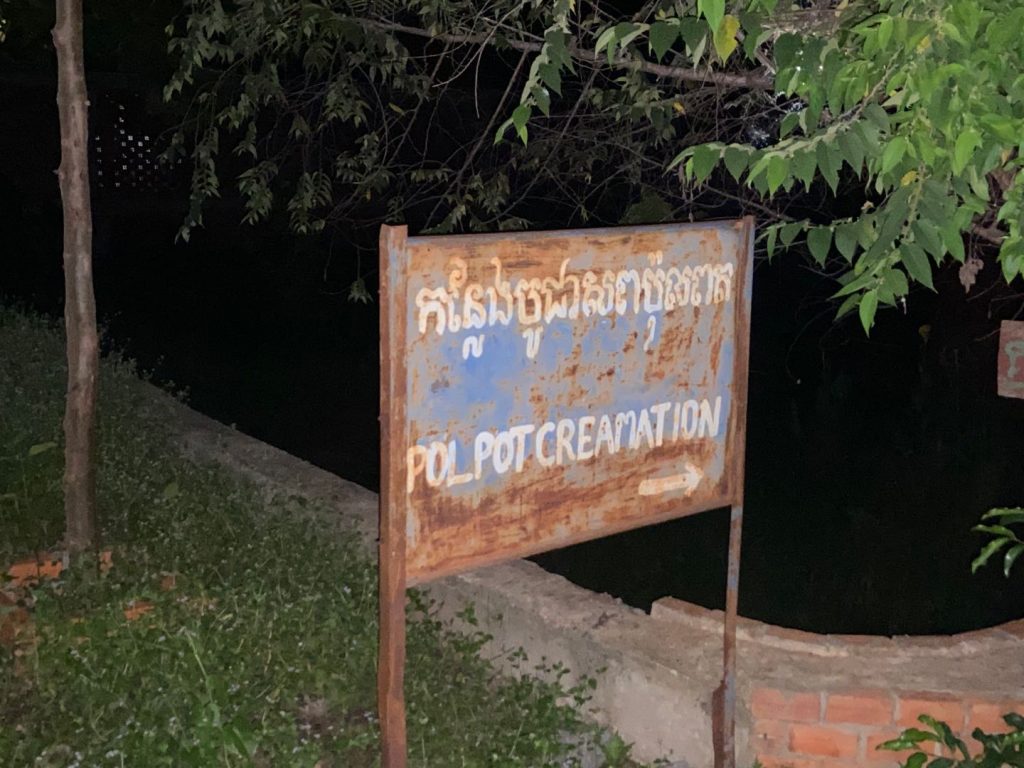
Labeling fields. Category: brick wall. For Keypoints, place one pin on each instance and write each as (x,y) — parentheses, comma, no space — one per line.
(842,728)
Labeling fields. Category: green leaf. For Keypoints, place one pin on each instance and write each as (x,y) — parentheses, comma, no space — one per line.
(713,11)
(499,134)
(968,141)
(893,153)
(847,306)
(804,167)
(819,242)
(725,36)
(38,448)
(1011,557)
(895,282)
(785,49)
(929,239)
(778,169)
(829,165)
(995,530)
(789,232)
(1006,515)
(868,308)
(949,739)
(543,99)
(773,235)
(877,115)
(705,157)
(990,549)
(846,240)
(605,39)
(853,149)
(916,736)
(917,264)
(693,32)
(953,239)
(735,161)
(520,116)
(662,36)
(551,75)
(171,490)
(626,32)
(1015,720)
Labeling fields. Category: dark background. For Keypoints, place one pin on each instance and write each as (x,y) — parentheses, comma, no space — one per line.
(868,459)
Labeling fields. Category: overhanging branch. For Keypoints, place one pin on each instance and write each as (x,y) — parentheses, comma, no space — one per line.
(754,80)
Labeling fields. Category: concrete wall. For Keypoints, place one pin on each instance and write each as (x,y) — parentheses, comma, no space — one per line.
(805,699)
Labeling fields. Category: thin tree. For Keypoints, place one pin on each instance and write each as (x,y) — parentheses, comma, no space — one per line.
(79,300)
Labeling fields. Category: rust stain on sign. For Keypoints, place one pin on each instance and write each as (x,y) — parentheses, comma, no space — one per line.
(546,388)
(1010,381)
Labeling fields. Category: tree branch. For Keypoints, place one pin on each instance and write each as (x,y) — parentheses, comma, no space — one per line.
(755,80)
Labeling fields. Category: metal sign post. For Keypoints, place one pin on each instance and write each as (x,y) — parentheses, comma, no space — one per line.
(542,389)
(392,551)
(724,704)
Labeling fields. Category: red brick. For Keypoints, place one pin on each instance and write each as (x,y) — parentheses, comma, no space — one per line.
(30,570)
(788,762)
(822,740)
(862,708)
(136,609)
(987,715)
(947,709)
(769,737)
(773,704)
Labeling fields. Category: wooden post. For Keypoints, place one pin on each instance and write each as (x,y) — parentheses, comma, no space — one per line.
(391,650)
(79,299)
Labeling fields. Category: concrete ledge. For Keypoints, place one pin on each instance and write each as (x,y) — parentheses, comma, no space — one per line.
(656,672)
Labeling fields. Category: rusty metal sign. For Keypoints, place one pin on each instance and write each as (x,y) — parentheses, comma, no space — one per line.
(1010,378)
(542,389)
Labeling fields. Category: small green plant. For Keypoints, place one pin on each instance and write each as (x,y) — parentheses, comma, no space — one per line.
(998,749)
(1005,537)
(615,751)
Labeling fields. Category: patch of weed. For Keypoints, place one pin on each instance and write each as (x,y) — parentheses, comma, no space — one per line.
(230,630)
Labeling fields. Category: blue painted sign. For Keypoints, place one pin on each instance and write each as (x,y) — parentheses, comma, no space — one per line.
(547,388)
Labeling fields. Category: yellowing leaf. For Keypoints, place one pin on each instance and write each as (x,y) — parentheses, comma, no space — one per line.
(678,107)
(725,36)
(908,178)
(925,44)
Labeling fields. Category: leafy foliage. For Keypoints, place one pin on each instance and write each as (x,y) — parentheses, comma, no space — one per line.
(348,114)
(1003,538)
(254,633)
(912,106)
(998,749)
(923,103)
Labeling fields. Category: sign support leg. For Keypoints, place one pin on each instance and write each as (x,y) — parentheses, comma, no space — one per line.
(725,699)
(392,519)
(391,653)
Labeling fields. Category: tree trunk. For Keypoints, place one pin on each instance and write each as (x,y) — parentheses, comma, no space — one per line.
(79,301)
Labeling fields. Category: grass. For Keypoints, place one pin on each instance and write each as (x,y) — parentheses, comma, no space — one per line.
(256,639)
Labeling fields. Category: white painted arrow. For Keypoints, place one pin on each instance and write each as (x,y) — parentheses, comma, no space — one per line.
(686,482)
